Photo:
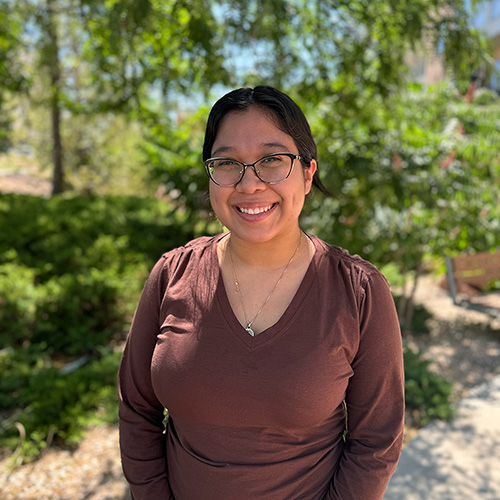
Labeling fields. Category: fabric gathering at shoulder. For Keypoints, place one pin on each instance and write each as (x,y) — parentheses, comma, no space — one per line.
(193,264)
(358,269)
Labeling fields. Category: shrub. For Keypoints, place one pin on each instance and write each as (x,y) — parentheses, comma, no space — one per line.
(428,395)
(71,271)
(50,405)
(18,302)
(59,235)
(76,313)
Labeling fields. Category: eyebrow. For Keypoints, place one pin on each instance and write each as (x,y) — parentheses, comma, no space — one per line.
(266,145)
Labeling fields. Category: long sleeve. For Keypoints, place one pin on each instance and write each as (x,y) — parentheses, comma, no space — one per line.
(142,439)
(375,400)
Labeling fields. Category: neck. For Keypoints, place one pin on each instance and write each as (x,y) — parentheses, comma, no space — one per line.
(266,255)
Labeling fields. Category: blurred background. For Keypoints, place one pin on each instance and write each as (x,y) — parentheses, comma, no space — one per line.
(102,113)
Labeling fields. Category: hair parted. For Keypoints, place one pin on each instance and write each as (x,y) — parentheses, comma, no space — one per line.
(282,109)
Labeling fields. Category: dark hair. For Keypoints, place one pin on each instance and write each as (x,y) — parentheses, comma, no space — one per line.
(283,110)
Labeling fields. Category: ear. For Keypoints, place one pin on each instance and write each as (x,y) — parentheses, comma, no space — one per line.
(309,174)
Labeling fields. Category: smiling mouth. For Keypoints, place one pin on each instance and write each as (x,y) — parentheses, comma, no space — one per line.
(255,211)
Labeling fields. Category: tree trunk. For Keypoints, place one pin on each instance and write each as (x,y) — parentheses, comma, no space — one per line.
(406,303)
(55,101)
(410,306)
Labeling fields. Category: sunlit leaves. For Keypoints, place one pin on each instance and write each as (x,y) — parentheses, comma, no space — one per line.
(417,176)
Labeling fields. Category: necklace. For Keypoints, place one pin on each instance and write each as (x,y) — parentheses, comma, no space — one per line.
(249,324)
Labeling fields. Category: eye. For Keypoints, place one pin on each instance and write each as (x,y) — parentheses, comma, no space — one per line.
(225,162)
(271,159)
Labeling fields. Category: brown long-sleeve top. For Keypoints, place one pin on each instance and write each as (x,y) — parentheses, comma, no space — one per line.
(262,418)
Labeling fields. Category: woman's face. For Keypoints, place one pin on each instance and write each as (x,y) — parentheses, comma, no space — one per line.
(254,211)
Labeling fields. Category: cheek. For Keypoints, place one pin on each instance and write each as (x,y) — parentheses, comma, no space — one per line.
(302,187)
(294,201)
(217,199)
(214,193)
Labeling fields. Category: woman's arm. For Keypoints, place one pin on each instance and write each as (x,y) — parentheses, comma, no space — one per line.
(142,439)
(375,401)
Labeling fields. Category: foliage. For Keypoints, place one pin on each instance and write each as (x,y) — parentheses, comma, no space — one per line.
(149,59)
(102,152)
(71,269)
(90,58)
(174,159)
(401,178)
(11,79)
(349,49)
(428,395)
(493,285)
(50,405)
(417,177)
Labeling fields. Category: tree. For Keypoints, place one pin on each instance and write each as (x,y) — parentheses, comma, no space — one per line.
(90,57)
(335,58)
(144,56)
(10,77)
(422,178)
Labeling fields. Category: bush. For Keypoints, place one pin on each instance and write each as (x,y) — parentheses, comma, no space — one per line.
(18,302)
(78,313)
(72,314)
(71,269)
(428,395)
(50,405)
(59,235)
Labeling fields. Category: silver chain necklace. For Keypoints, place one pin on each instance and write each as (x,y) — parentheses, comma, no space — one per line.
(249,324)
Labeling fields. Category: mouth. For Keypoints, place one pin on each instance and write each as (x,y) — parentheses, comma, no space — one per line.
(255,211)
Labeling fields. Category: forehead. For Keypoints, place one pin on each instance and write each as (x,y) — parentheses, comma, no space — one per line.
(253,128)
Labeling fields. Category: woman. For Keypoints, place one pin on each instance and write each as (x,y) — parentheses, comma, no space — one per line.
(278,356)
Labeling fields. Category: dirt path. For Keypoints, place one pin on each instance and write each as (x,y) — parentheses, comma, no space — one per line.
(463,345)
(17,175)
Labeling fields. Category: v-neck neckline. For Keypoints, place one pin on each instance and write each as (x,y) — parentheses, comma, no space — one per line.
(276,330)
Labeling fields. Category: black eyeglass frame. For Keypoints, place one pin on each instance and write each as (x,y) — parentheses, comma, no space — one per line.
(244,167)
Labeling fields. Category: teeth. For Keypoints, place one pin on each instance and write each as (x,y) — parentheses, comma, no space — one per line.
(254,211)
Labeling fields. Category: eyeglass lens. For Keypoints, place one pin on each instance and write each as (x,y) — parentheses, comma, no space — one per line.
(272,168)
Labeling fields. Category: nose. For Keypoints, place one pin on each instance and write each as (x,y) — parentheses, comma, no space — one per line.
(250,181)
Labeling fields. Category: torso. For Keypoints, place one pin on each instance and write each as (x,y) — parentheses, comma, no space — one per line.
(260,415)
(266,407)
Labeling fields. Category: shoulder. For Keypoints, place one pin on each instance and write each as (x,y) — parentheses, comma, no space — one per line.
(360,272)
(185,259)
(179,269)
(193,248)
(332,255)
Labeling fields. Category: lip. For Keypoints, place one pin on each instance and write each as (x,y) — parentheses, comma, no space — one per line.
(255,211)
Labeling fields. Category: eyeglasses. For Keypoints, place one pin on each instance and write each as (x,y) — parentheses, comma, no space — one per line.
(270,169)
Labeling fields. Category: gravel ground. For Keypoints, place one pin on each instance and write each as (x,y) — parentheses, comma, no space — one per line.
(91,472)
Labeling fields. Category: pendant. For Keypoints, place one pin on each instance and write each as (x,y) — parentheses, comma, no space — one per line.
(250,331)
